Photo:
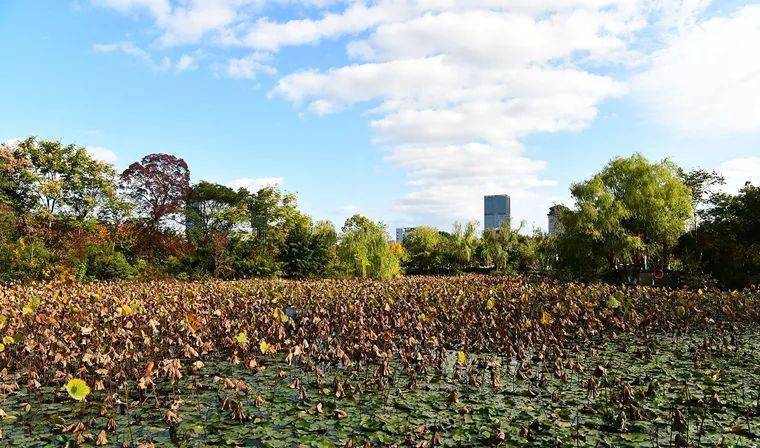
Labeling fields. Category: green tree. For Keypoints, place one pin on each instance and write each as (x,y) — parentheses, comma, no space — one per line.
(498,247)
(213,208)
(212,212)
(57,176)
(309,249)
(594,234)
(632,209)
(657,200)
(462,245)
(726,245)
(88,187)
(363,250)
(545,251)
(17,180)
(702,184)
(271,215)
(425,250)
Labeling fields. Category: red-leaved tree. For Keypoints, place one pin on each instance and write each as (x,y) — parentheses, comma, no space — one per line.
(157,186)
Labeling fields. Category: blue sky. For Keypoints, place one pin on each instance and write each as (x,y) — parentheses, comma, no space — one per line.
(403,110)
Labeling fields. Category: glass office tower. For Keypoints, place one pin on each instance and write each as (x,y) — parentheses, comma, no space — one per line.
(497,209)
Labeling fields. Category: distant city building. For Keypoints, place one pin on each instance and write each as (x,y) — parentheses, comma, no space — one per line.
(402,232)
(555,226)
(497,209)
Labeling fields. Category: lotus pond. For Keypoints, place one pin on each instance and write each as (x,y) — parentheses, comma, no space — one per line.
(416,361)
(696,390)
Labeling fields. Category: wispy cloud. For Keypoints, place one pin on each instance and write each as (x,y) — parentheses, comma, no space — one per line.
(706,79)
(255,184)
(186,62)
(248,67)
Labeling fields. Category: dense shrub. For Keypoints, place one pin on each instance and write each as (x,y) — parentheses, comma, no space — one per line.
(102,263)
(26,259)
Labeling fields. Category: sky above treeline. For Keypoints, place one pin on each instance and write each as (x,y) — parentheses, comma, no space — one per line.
(407,111)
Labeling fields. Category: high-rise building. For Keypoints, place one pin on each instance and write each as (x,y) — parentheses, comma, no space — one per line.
(402,232)
(497,209)
(555,226)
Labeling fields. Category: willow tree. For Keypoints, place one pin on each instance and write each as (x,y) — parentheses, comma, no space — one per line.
(463,244)
(424,249)
(364,252)
(631,209)
(498,247)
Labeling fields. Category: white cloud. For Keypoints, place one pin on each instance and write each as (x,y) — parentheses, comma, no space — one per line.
(11,144)
(739,171)
(457,85)
(250,66)
(157,8)
(707,77)
(183,22)
(102,154)
(125,47)
(255,184)
(186,62)
(271,36)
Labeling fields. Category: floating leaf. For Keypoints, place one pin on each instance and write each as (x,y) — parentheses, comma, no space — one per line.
(77,389)
(241,338)
(31,306)
(279,314)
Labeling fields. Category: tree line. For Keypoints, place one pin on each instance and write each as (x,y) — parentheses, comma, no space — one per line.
(65,214)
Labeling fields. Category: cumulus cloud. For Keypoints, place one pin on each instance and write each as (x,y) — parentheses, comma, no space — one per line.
(182,22)
(738,172)
(250,66)
(453,88)
(102,154)
(707,77)
(186,62)
(255,184)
